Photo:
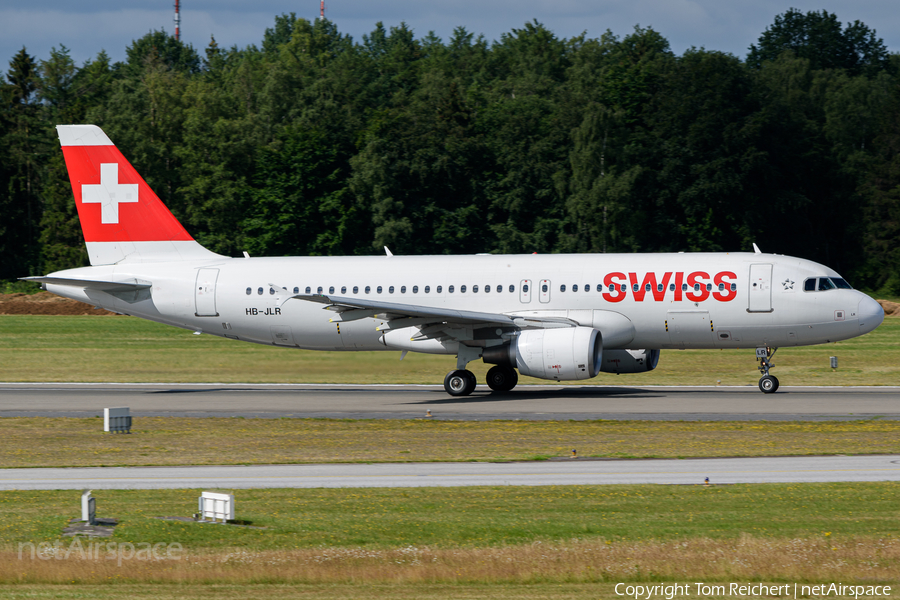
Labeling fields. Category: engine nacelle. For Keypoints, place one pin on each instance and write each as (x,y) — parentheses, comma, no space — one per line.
(629,361)
(561,354)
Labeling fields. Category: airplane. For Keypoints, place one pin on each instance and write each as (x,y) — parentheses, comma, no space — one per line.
(558,317)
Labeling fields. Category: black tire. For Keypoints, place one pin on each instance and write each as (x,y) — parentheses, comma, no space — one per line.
(459,383)
(768,384)
(502,379)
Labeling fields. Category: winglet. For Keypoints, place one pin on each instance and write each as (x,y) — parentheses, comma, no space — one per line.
(388,251)
(756,248)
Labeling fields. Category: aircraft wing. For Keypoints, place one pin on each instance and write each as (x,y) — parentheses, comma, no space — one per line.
(89,284)
(351,309)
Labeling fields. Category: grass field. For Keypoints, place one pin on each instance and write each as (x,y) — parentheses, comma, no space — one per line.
(126,349)
(66,442)
(507,536)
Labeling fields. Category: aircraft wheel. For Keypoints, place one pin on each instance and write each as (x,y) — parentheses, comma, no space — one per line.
(459,383)
(768,384)
(502,379)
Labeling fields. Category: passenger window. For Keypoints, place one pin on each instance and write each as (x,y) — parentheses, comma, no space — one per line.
(343,289)
(600,287)
(543,288)
(259,291)
(355,289)
(402,289)
(474,289)
(368,288)
(427,289)
(250,291)
(512,289)
(636,287)
(721,287)
(623,288)
(308,290)
(612,288)
(450,289)
(825,284)
(415,289)
(733,287)
(524,288)
(439,288)
(574,287)
(659,287)
(271,291)
(683,287)
(378,289)
(500,288)
(562,288)
(671,287)
(708,287)
(391,290)
(319,290)
(296,290)
(696,287)
(331,290)
(587,287)
(462,289)
(487,289)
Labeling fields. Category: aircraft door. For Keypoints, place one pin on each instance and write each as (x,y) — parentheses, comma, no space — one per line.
(545,290)
(689,329)
(760,289)
(525,291)
(282,336)
(205,293)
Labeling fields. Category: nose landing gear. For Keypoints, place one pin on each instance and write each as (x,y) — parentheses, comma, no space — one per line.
(768,384)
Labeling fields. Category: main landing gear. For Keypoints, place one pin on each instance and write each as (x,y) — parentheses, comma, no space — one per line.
(767,383)
(461,382)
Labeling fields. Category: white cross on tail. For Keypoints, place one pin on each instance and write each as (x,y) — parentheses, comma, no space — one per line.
(109,193)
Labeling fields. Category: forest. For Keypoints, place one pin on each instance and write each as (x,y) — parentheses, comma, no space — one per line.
(317,144)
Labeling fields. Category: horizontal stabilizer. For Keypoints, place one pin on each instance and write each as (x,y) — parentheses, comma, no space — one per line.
(88,284)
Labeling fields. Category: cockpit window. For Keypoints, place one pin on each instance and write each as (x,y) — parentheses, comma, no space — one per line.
(841,284)
(825,284)
(809,285)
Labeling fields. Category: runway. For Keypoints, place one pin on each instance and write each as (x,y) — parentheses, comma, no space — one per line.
(562,472)
(410,401)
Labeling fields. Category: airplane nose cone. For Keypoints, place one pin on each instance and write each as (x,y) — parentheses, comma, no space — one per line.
(870,315)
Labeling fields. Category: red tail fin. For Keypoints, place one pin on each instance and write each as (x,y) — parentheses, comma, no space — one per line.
(119,212)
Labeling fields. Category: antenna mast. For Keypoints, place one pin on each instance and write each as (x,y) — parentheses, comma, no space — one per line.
(321,9)
(178,19)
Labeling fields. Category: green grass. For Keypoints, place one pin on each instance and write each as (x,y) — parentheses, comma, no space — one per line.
(125,349)
(472,517)
(66,442)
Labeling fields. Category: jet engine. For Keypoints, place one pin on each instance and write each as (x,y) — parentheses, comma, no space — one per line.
(562,354)
(629,361)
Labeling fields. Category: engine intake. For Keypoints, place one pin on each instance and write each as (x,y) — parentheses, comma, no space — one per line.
(561,354)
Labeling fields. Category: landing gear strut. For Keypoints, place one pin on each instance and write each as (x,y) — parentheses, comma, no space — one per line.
(767,383)
(460,382)
(501,378)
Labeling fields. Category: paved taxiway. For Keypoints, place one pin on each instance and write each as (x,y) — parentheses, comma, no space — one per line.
(409,401)
(563,472)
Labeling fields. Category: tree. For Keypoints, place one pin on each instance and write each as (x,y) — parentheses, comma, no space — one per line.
(817,36)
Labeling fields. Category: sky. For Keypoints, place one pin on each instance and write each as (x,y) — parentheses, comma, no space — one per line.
(86,28)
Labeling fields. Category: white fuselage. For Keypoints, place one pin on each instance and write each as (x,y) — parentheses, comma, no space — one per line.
(249,298)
